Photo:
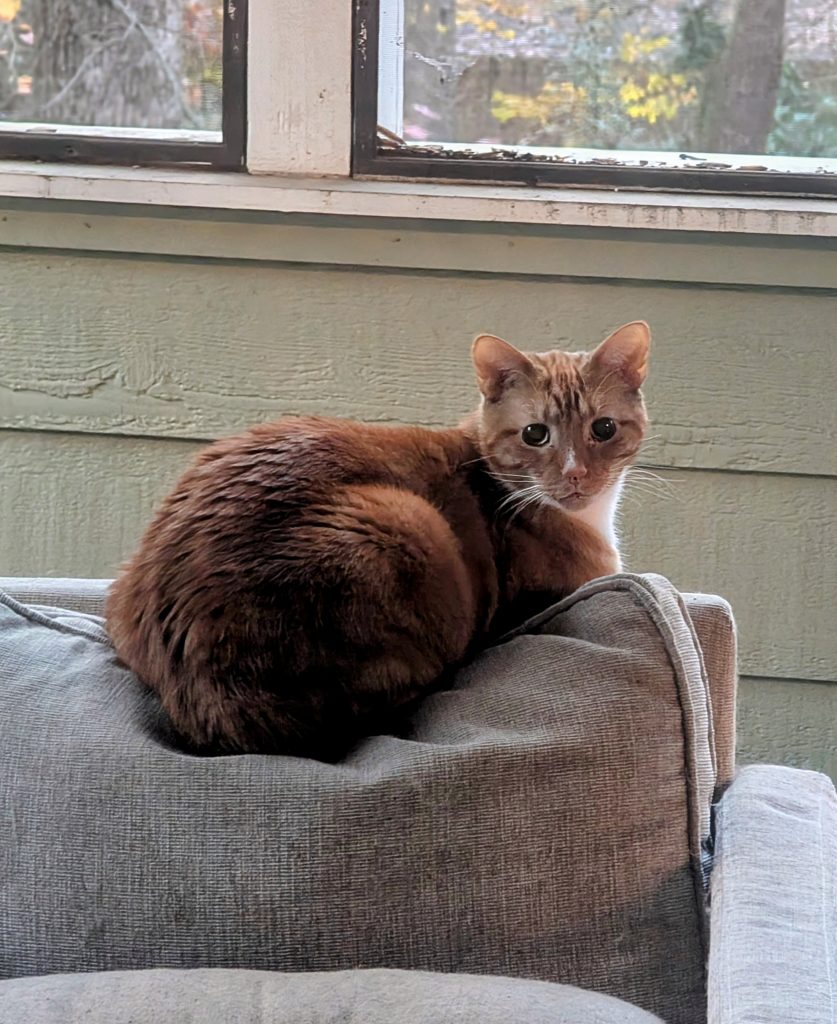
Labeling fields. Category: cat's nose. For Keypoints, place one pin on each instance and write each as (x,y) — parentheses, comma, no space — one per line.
(573,470)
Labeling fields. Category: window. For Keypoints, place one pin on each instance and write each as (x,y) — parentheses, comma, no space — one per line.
(124,81)
(698,95)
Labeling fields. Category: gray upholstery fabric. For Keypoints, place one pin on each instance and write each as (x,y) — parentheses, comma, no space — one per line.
(80,595)
(544,819)
(260,997)
(773,956)
(715,628)
(711,617)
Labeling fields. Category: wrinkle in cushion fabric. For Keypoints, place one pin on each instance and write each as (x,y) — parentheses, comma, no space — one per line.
(338,997)
(544,820)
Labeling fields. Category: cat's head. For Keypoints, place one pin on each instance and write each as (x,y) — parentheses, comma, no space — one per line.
(563,425)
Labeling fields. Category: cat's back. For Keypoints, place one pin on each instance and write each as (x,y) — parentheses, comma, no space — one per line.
(258,509)
(320,453)
(242,493)
(291,528)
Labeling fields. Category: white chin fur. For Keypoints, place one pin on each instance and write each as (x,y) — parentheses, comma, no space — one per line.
(600,513)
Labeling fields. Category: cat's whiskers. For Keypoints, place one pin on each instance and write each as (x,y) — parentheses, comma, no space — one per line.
(530,499)
(640,480)
(666,483)
(516,502)
(519,500)
(639,486)
(513,483)
(516,496)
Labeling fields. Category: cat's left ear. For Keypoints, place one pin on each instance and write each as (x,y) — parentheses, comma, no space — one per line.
(625,352)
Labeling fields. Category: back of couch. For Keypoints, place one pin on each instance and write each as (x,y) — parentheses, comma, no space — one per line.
(710,615)
(544,819)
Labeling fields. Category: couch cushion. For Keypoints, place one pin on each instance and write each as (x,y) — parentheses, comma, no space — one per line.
(774,899)
(716,633)
(261,997)
(543,820)
(84,595)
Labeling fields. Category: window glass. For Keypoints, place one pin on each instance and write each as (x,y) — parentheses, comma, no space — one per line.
(691,78)
(147,64)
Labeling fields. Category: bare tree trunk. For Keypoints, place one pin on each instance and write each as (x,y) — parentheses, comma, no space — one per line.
(741,102)
(108,62)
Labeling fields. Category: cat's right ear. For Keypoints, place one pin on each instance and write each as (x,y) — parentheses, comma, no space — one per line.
(498,364)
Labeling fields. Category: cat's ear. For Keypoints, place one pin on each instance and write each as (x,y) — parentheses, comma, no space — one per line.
(624,352)
(498,364)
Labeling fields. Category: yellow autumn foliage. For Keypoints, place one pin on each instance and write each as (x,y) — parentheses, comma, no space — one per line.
(633,47)
(494,7)
(658,97)
(643,92)
(483,23)
(9,9)
(555,98)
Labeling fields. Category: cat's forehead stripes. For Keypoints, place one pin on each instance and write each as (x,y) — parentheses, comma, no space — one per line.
(565,403)
(564,383)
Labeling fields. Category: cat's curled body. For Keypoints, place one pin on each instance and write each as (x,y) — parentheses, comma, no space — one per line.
(309,577)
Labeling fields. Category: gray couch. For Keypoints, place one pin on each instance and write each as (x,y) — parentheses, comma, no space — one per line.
(561,838)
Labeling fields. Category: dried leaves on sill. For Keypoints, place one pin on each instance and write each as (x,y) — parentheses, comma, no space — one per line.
(389,141)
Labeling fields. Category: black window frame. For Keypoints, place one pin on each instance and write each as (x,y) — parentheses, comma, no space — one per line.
(374,154)
(228,154)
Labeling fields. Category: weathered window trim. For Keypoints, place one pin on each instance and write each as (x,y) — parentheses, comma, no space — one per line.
(378,201)
(55,143)
(379,153)
(299,151)
(299,86)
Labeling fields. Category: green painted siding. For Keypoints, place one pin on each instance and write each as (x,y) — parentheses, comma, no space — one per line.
(124,348)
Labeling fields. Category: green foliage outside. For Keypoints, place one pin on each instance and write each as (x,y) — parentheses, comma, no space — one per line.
(806,116)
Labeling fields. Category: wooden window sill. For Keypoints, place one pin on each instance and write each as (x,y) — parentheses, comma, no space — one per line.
(409,200)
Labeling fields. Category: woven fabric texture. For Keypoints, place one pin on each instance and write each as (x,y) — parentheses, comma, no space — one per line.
(774,900)
(714,626)
(260,997)
(543,820)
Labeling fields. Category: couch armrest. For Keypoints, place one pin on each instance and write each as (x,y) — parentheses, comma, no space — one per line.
(773,923)
(86,596)
(715,627)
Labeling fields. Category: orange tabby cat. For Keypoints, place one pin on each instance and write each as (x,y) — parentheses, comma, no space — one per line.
(307,578)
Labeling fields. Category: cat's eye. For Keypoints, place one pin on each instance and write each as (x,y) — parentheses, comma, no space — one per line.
(603,429)
(536,434)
